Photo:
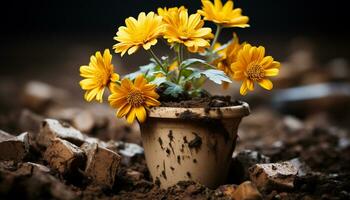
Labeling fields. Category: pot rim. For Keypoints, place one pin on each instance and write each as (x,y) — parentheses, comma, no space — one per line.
(186,113)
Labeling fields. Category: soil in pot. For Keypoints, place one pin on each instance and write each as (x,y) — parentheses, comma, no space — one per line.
(202,102)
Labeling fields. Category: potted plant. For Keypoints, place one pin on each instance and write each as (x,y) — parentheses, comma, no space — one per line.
(187,134)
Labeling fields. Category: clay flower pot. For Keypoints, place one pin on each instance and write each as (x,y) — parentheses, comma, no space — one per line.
(191,143)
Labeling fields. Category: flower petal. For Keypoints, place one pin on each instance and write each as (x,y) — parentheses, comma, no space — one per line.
(141,114)
(244,89)
(250,84)
(271,72)
(124,110)
(266,83)
(131,116)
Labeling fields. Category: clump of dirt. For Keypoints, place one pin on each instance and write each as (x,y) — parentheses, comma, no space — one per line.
(203,102)
(196,142)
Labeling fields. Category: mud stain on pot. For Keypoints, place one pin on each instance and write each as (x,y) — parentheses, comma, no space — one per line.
(216,126)
(179,160)
(171,139)
(182,150)
(185,156)
(188,174)
(219,113)
(164,171)
(160,143)
(185,139)
(196,143)
(183,145)
(167,152)
(171,147)
(189,115)
(213,145)
(170,136)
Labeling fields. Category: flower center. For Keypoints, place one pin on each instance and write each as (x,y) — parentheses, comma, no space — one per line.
(255,72)
(135,98)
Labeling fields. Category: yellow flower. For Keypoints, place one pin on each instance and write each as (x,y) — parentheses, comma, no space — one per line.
(225,15)
(167,13)
(228,56)
(253,66)
(97,76)
(132,99)
(184,29)
(142,32)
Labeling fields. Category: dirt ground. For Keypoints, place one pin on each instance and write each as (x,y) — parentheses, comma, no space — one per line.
(316,141)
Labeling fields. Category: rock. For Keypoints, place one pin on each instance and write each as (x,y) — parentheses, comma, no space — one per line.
(64,156)
(81,119)
(29,121)
(227,190)
(339,69)
(246,191)
(241,162)
(38,96)
(12,147)
(102,164)
(93,140)
(29,168)
(127,150)
(33,181)
(301,166)
(278,176)
(51,129)
(133,175)
(124,148)
(292,124)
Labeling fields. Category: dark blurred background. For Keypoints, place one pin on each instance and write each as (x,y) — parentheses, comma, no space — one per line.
(48,41)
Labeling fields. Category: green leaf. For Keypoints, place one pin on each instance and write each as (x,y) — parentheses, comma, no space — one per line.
(188,71)
(153,73)
(158,80)
(194,75)
(148,68)
(188,62)
(145,69)
(173,89)
(217,76)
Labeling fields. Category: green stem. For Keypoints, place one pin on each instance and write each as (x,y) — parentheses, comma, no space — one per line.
(153,55)
(180,59)
(217,33)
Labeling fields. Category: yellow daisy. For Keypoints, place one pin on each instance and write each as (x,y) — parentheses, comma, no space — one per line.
(140,32)
(187,30)
(224,15)
(228,56)
(253,66)
(97,76)
(167,13)
(132,99)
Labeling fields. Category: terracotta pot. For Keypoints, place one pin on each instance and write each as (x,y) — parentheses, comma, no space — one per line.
(191,143)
